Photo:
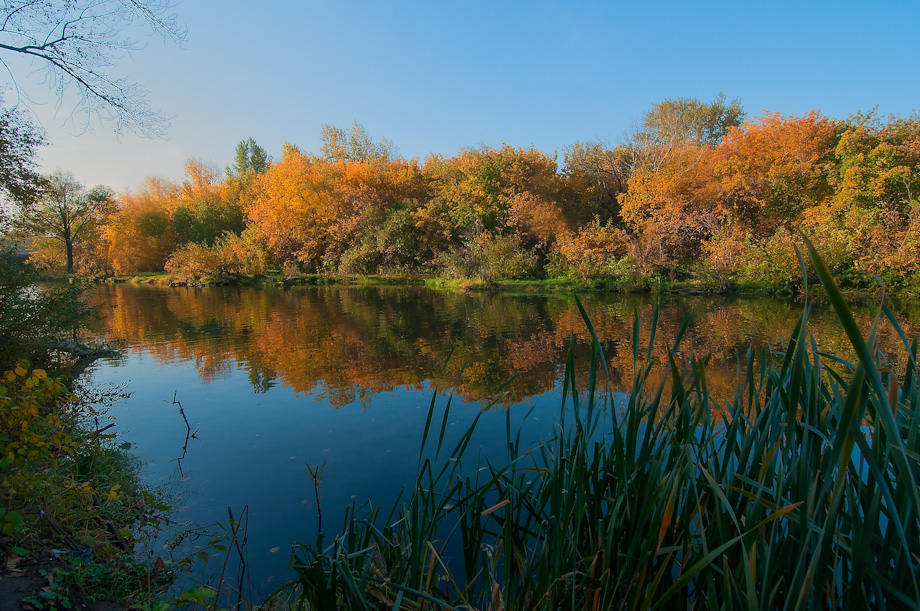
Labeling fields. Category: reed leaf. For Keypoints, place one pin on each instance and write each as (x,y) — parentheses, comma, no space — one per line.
(799,490)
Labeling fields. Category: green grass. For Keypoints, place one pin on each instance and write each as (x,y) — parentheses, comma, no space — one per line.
(801,491)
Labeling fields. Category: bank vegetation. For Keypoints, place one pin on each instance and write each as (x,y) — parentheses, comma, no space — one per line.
(700,196)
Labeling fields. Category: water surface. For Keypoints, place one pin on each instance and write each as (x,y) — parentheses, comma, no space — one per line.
(273,380)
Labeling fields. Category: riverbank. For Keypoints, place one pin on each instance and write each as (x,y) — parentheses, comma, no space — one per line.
(75,513)
(686,285)
(234,339)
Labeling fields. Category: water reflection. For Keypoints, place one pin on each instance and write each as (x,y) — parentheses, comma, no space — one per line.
(347,343)
(272,380)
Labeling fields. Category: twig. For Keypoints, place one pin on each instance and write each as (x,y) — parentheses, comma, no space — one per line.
(68,540)
(188,432)
(111,525)
(234,529)
(316,475)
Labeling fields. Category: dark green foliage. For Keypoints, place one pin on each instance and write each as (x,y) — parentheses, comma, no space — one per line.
(19,141)
(249,158)
(205,222)
(36,322)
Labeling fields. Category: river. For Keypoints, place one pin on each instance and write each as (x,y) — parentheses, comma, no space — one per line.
(274,380)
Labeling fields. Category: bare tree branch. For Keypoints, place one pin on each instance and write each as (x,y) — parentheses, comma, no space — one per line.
(78,43)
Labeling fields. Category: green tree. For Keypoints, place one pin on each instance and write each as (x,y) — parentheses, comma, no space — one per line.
(249,158)
(676,123)
(63,211)
(355,145)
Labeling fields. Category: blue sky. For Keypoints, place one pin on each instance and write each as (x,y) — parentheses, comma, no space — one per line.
(439,76)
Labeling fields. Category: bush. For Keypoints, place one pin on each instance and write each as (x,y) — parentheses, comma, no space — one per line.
(50,464)
(37,323)
(489,257)
(231,257)
(593,250)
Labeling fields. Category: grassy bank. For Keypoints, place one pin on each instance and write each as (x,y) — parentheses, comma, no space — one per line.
(73,510)
(71,497)
(520,285)
(800,491)
(685,283)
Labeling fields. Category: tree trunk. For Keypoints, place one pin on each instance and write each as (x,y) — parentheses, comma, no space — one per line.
(68,244)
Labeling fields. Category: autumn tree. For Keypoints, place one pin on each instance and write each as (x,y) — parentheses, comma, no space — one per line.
(293,210)
(65,211)
(77,43)
(594,249)
(372,199)
(354,145)
(203,211)
(675,203)
(875,209)
(595,178)
(672,194)
(772,168)
(140,235)
(477,185)
(878,162)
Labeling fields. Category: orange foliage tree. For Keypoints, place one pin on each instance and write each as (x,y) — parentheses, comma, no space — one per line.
(772,168)
(291,211)
(140,236)
(311,209)
(675,202)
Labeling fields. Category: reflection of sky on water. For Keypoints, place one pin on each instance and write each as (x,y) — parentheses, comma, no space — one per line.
(253,449)
(274,380)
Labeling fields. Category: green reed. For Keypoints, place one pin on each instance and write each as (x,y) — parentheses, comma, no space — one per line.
(800,492)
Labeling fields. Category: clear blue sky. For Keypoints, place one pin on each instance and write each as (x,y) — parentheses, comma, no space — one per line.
(439,76)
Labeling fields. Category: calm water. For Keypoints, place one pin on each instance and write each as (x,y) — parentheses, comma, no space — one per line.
(275,379)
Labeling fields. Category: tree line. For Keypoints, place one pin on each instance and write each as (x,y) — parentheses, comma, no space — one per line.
(699,192)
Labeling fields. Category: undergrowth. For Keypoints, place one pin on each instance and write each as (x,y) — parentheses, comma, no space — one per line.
(71,499)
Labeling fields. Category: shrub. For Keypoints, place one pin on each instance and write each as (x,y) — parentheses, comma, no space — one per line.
(50,464)
(489,257)
(593,250)
(231,257)
(36,323)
